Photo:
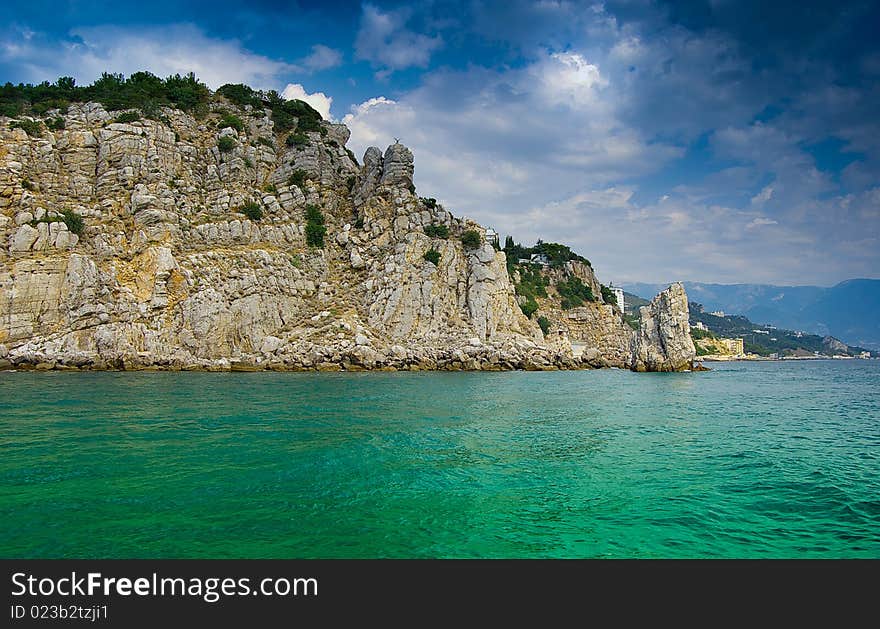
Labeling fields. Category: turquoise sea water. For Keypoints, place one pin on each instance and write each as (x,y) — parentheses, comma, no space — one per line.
(749,460)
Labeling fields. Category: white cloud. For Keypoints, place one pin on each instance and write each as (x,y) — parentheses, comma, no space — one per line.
(570,78)
(384,40)
(322,58)
(516,135)
(170,49)
(761,221)
(763,196)
(319,100)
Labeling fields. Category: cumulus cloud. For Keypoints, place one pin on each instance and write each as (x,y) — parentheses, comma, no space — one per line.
(165,50)
(518,122)
(322,58)
(319,100)
(384,40)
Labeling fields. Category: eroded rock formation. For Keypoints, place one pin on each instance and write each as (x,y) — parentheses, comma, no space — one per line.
(663,341)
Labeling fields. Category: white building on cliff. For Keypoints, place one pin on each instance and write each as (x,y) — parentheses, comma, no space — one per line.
(618,294)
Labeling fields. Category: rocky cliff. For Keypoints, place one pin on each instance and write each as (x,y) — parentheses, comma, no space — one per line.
(663,340)
(190,243)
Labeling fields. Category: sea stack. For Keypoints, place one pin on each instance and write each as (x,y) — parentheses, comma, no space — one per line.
(663,341)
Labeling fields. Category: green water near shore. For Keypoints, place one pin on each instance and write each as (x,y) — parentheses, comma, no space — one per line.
(749,460)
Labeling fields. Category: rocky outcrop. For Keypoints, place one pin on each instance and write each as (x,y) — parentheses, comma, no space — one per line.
(834,346)
(606,339)
(663,341)
(168,271)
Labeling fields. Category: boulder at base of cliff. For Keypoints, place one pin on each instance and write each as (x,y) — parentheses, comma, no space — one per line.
(663,342)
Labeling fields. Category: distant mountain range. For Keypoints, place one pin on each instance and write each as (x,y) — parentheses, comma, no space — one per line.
(849,311)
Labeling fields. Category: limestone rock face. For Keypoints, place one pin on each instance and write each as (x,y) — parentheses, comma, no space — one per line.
(606,338)
(398,166)
(169,272)
(663,341)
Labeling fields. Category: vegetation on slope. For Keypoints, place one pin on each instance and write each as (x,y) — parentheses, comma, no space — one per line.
(557,254)
(315,229)
(761,339)
(147,93)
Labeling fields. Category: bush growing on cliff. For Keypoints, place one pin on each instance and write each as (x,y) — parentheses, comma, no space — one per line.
(290,114)
(128,116)
(432,256)
(41,108)
(298,140)
(228,119)
(226,144)
(315,229)
(529,306)
(34,128)
(470,239)
(252,210)
(437,231)
(573,292)
(74,222)
(297,178)
(532,282)
(429,202)
(56,124)
(544,324)
(242,95)
(607,295)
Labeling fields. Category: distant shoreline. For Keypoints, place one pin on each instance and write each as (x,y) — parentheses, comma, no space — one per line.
(776,360)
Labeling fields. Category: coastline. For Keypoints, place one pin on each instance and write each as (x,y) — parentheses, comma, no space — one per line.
(356,360)
(780,359)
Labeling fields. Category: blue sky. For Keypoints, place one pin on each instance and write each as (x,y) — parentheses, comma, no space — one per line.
(705,140)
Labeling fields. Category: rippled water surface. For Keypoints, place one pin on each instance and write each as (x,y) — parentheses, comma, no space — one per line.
(749,460)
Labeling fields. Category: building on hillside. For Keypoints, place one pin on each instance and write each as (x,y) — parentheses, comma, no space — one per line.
(491,237)
(540,259)
(618,294)
(701,326)
(735,346)
(721,348)
(865,355)
(717,313)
